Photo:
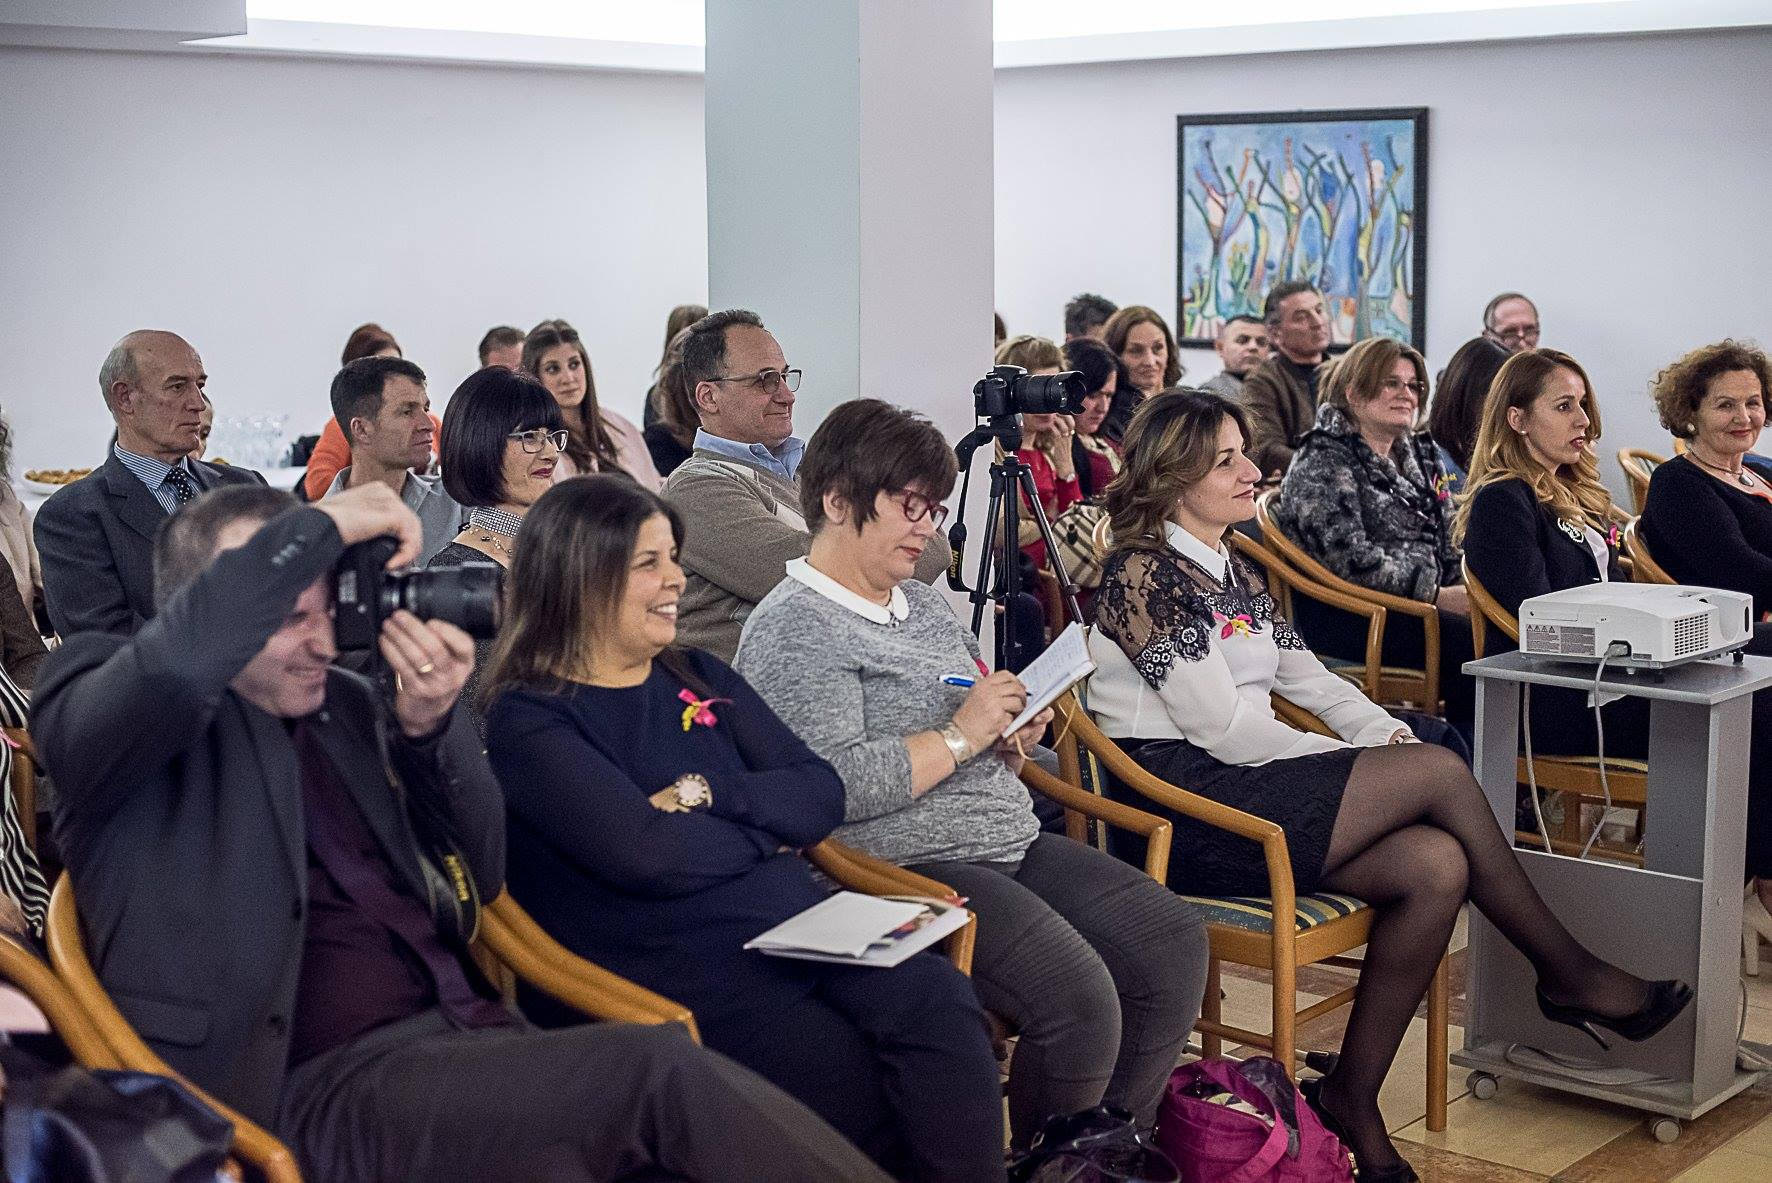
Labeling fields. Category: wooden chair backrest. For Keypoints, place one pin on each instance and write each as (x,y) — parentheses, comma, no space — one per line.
(1639,465)
(67,952)
(1644,568)
(1485,611)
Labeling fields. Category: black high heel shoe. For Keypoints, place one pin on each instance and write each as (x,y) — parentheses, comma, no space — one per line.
(1667,998)
(1402,1172)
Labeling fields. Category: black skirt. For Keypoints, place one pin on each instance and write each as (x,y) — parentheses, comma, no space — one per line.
(1302,794)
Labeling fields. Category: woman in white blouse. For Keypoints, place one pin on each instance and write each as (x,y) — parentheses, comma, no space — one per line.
(1189,647)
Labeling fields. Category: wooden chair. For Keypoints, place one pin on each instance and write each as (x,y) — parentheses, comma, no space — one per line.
(864,873)
(1639,465)
(118,1046)
(1397,685)
(507,934)
(1644,568)
(1241,930)
(24,781)
(1577,777)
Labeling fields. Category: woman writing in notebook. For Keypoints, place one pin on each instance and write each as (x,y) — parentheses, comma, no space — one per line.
(1189,649)
(1096,967)
(656,807)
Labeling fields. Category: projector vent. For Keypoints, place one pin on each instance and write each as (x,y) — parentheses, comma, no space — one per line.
(1691,634)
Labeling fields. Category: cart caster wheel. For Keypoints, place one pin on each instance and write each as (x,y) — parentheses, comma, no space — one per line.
(1665,1129)
(1482,1085)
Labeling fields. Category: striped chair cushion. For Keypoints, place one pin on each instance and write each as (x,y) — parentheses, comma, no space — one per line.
(1256,913)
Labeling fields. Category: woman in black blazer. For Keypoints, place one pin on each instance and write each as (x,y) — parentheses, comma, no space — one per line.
(1714,398)
(1536,519)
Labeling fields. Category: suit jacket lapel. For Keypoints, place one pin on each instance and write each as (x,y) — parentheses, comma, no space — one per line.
(136,507)
(281,775)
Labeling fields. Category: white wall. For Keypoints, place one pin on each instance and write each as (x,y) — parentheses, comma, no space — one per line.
(262,207)
(1621,182)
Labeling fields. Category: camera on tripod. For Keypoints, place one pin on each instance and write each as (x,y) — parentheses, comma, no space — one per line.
(1011,390)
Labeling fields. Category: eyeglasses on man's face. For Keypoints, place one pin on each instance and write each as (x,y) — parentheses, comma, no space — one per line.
(916,507)
(768,381)
(534,441)
(1515,335)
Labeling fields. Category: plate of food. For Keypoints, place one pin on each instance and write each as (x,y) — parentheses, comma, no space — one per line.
(48,480)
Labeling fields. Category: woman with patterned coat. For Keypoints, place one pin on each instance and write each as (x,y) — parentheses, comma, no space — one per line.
(1189,649)
(1367,497)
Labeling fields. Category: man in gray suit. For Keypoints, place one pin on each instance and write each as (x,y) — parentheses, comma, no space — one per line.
(96,536)
(277,870)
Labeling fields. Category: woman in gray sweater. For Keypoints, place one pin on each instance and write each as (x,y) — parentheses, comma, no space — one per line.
(1097,967)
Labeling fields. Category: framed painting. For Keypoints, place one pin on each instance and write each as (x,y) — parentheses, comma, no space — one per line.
(1334,198)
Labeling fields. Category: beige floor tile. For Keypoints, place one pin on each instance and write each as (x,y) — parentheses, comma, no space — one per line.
(1759,1023)
(1759,989)
(1757,1141)
(1728,1166)
(1403,1099)
(1524,1126)
(1250,1005)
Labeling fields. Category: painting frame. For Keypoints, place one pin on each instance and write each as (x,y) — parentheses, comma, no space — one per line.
(1202,270)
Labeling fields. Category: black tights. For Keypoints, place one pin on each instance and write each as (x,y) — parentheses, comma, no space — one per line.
(1414,838)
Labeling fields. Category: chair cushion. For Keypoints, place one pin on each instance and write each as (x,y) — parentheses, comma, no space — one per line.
(1256,913)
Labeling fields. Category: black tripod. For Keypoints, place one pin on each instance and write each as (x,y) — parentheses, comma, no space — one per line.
(1002,528)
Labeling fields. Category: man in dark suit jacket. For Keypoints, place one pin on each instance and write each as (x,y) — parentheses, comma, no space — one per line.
(256,840)
(96,536)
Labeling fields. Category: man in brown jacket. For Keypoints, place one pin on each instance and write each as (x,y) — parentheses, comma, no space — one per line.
(1281,393)
(739,491)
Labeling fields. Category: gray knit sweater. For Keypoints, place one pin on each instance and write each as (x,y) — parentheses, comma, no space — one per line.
(854,690)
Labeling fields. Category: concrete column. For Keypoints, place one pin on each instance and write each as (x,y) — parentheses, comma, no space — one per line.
(850,193)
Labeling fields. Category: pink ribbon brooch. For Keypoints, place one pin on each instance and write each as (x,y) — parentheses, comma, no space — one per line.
(1612,537)
(1240,624)
(699,710)
(1443,487)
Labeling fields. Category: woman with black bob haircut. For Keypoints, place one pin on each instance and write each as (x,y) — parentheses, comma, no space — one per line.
(656,811)
(1097,967)
(1189,650)
(502,438)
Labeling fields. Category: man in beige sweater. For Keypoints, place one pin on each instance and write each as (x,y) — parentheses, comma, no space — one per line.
(738,492)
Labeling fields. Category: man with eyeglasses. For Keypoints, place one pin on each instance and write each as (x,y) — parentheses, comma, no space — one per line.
(739,492)
(382,407)
(1511,321)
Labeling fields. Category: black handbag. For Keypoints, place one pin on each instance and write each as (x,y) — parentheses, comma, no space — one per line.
(69,1125)
(1099,1145)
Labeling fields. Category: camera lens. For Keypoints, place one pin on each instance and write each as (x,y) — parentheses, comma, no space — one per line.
(468,596)
(1048,393)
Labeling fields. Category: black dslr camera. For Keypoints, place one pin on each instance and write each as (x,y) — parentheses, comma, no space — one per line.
(365,593)
(1008,390)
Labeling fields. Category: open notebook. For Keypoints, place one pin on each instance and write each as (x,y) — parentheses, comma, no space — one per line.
(1064,663)
(854,929)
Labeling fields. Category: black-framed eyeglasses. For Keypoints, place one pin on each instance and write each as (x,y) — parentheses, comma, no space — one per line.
(1394,384)
(916,507)
(534,441)
(768,381)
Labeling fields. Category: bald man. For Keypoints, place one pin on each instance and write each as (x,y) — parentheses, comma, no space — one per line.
(96,536)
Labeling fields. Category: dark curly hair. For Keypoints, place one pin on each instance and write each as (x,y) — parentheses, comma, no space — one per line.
(1680,388)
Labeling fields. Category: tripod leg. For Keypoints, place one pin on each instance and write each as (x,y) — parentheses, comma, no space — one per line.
(1067,589)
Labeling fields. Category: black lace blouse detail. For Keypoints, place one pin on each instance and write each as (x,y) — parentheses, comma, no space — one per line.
(1158,606)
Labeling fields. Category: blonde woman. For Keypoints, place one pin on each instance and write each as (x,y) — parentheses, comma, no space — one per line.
(1189,647)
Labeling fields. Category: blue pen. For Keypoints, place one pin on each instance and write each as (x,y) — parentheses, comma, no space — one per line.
(959,680)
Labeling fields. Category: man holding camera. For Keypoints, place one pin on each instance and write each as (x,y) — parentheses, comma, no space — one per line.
(278,871)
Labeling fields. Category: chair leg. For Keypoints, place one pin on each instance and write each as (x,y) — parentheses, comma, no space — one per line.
(1286,1008)
(1212,1010)
(1439,1008)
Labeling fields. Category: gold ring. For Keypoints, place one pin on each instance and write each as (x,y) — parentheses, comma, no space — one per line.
(426,668)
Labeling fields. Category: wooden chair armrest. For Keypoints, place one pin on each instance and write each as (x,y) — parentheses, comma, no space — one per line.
(1294,715)
(1377,617)
(67,1018)
(859,871)
(1158,833)
(252,1142)
(537,958)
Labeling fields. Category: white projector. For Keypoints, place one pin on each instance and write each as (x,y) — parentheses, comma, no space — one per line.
(1660,624)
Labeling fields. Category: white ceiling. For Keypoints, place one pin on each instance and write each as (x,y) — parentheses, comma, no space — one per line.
(668,34)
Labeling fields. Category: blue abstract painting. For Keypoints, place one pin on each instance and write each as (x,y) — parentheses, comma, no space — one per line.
(1335,198)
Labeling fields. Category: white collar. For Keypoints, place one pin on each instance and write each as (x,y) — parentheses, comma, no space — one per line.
(897,609)
(1214,562)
